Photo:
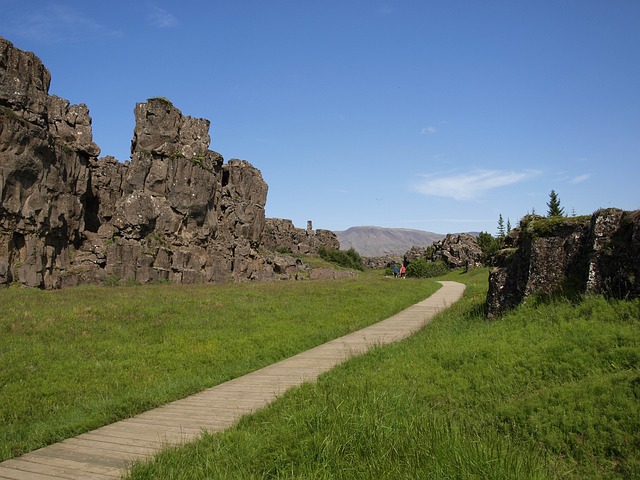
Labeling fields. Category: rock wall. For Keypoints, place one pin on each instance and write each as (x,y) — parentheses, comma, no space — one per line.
(378,263)
(174,212)
(281,234)
(597,254)
(456,250)
(45,147)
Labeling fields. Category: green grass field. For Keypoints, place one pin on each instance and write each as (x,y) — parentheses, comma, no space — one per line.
(76,359)
(551,390)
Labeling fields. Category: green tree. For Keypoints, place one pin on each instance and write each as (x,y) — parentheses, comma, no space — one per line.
(501,230)
(508,226)
(555,210)
(489,246)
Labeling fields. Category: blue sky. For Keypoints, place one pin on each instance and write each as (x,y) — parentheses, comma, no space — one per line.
(431,115)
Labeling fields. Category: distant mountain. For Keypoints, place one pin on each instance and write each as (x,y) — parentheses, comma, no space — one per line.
(379,241)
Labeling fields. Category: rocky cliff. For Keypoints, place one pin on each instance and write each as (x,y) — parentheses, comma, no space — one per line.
(597,254)
(174,212)
(282,234)
(456,250)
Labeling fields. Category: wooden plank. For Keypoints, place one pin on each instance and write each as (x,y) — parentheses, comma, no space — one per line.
(72,465)
(15,474)
(55,471)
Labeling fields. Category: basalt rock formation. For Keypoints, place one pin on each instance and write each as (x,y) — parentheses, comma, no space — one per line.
(598,254)
(174,212)
(458,251)
(281,234)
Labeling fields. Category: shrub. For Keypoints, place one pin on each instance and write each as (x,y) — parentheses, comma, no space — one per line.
(349,258)
(422,268)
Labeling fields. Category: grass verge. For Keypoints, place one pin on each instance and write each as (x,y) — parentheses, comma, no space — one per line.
(551,390)
(76,359)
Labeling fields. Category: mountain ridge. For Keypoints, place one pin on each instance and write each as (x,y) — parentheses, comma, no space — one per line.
(374,241)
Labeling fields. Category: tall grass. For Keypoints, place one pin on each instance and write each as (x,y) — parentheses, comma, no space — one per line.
(76,359)
(549,391)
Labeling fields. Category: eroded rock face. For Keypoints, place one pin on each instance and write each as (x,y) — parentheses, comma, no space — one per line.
(378,263)
(597,254)
(43,172)
(282,234)
(458,251)
(174,212)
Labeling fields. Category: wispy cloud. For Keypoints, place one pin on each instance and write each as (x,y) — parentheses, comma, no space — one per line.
(430,130)
(162,18)
(468,186)
(581,178)
(58,23)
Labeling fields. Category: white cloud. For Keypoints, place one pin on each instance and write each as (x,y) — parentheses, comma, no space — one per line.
(428,130)
(468,186)
(581,178)
(161,18)
(57,23)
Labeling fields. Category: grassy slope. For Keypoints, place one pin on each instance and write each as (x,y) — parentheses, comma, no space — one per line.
(75,359)
(549,391)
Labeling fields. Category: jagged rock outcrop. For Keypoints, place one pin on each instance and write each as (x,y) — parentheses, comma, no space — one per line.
(458,251)
(174,212)
(281,234)
(378,263)
(597,254)
(44,172)
(415,252)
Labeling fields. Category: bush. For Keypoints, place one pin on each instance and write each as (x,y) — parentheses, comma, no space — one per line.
(349,258)
(422,268)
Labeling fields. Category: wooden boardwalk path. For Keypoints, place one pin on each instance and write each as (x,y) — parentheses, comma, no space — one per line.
(105,453)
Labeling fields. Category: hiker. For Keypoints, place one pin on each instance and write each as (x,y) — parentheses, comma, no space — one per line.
(403,271)
(395,271)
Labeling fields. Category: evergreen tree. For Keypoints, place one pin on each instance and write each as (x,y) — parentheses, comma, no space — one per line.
(500,227)
(555,210)
(488,245)
(508,225)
